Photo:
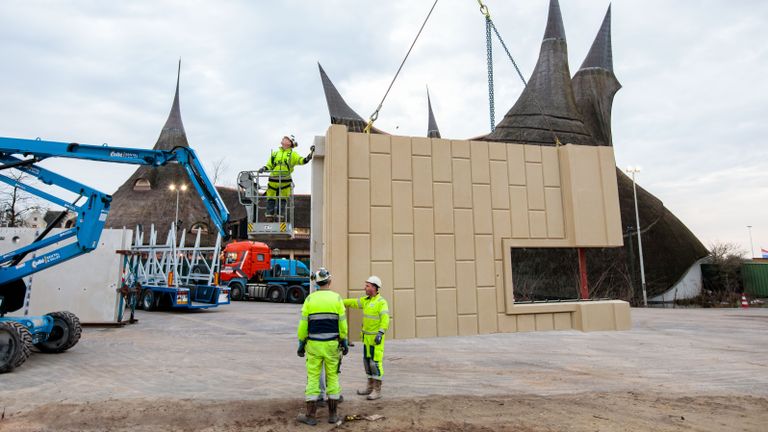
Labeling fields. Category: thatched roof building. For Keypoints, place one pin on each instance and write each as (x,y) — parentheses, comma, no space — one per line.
(146,197)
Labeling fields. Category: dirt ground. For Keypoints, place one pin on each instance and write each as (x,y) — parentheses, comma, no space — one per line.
(582,412)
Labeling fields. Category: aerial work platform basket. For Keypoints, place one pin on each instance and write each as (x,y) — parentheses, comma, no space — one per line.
(265,220)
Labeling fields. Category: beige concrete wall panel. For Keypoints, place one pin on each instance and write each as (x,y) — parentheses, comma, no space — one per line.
(486,307)
(336,195)
(405,307)
(441,160)
(426,327)
(462,183)
(480,168)
(401,158)
(380,143)
(584,194)
(499,185)
(422,181)
(484,262)
(467,325)
(381,180)
(443,208)
(447,315)
(545,322)
(460,149)
(535,186)
(402,206)
(359,206)
(421,146)
(499,269)
(354,323)
(359,259)
(551,165)
(516,164)
(518,204)
(555,217)
(622,315)
(403,261)
(502,228)
(426,300)
(466,287)
(497,151)
(445,261)
(610,196)
(507,323)
(465,235)
(381,233)
(532,153)
(482,215)
(424,234)
(359,156)
(526,323)
(563,321)
(538,223)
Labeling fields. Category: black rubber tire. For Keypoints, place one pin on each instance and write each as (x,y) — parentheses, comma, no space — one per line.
(275,294)
(65,334)
(11,347)
(26,347)
(235,291)
(295,294)
(148,300)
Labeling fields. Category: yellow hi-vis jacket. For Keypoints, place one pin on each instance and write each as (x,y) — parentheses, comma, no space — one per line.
(323,317)
(375,315)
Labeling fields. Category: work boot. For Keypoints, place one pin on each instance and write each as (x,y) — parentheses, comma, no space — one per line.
(333,404)
(368,388)
(376,393)
(310,417)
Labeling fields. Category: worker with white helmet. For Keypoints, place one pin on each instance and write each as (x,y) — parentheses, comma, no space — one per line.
(280,167)
(322,332)
(375,325)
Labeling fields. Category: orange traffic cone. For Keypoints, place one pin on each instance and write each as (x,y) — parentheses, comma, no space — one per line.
(744,302)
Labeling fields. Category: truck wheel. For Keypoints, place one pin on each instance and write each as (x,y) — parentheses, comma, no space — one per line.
(235,291)
(65,334)
(11,347)
(148,301)
(295,294)
(275,294)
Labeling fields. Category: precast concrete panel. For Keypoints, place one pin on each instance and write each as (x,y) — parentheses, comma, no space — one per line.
(479,159)
(424,234)
(401,158)
(359,206)
(402,206)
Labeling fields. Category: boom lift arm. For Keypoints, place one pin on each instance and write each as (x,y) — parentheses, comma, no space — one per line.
(91,206)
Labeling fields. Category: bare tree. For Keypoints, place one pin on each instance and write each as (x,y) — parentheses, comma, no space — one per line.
(15,204)
(727,259)
(219,169)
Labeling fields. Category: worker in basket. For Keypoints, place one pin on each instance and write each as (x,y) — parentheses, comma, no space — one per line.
(280,167)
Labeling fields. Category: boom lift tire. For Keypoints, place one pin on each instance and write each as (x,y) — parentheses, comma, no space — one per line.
(65,334)
(235,291)
(11,347)
(275,294)
(26,347)
(295,294)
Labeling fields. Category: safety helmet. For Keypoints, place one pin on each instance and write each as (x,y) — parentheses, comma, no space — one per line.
(321,277)
(375,280)
(292,139)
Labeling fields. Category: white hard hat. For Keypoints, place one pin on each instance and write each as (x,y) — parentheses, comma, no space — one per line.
(321,277)
(374,280)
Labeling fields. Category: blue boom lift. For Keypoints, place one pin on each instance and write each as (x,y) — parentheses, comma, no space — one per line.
(60,331)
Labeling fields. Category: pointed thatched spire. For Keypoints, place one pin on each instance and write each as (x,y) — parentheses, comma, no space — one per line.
(173,134)
(340,112)
(432,130)
(547,103)
(595,85)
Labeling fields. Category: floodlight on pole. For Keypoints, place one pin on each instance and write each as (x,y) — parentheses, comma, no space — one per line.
(751,245)
(634,170)
(177,189)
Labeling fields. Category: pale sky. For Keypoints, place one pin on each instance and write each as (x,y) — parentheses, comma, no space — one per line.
(691,113)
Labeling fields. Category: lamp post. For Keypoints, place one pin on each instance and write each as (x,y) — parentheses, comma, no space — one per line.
(633,171)
(178,189)
(751,245)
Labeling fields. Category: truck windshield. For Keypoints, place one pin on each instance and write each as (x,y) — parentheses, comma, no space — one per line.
(301,271)
(231,258)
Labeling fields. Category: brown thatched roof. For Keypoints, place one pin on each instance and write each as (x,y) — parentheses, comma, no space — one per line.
(146,199)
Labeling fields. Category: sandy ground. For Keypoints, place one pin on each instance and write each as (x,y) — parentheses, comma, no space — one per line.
(583,412)
(235,369)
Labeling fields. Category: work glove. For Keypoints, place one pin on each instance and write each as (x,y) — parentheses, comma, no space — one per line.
(344,346)
(300,351)
(379,335)
(262,169)
(312,149)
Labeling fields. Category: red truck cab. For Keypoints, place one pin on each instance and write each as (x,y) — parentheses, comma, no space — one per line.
(244,259)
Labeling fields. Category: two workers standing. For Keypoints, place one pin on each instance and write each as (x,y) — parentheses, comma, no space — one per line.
(323,331)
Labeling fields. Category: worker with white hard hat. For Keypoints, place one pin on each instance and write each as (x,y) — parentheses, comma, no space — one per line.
(375,325)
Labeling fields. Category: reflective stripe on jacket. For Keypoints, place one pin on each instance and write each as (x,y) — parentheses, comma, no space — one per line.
(375,313)
(323,317)
(281,164)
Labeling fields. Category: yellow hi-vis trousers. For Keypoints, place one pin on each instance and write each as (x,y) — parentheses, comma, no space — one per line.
(321,353)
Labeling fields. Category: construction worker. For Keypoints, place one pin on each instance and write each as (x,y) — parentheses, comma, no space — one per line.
(322,332)
(375,325)
(280,167)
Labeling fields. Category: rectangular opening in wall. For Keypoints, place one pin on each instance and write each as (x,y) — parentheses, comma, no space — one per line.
(545,274)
